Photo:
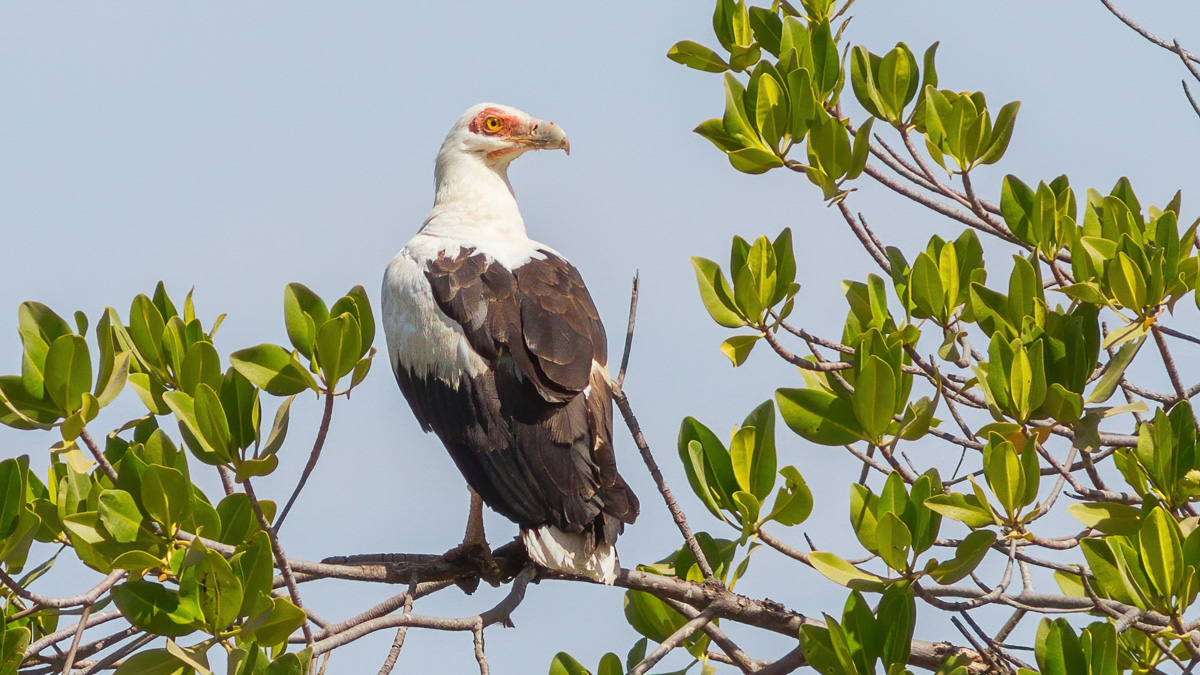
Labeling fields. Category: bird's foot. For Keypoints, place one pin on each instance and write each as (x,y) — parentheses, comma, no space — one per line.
(477,556)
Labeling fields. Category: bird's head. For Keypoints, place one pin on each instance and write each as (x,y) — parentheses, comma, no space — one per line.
(498,134)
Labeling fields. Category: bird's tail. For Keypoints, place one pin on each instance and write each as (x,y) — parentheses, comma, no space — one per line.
(581,553)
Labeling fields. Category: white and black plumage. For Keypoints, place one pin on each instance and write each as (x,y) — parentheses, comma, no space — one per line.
(499,350)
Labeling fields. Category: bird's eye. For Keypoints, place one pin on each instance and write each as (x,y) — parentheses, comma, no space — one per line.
(492,124)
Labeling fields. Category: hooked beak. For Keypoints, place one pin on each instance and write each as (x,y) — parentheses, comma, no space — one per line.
(545,135)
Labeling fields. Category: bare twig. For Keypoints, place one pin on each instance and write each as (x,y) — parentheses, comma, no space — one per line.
(673,640)
(226,480)
(281,560)
(69,631)
(480,656)
(1187,56)
(873,247)
(319,443)
(496,614)
(1172,370)
(633,302)
(98,455)
(401,632)
(83,599)
(734,653)
(70,658)
(676,513)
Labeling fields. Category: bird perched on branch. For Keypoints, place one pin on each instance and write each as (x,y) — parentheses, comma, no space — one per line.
(499,350)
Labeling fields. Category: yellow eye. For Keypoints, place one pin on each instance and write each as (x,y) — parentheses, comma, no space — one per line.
(492,124)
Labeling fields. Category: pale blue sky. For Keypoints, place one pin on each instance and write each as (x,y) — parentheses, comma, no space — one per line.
(236,147)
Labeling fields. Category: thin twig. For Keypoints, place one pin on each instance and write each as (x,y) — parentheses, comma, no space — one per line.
(633,302)
(1172,370)
(319,443)
(69,631)
(673,640)
(70,658)
(87,598)
(499,613)
(98,455)
(1147,34)
(480,655)
(676,513)
(734,653)
(401,632)
(281,560)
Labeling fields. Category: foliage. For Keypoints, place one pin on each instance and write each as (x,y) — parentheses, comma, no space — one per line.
(1020,358)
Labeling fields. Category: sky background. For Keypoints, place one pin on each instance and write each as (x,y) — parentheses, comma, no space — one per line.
(235,147)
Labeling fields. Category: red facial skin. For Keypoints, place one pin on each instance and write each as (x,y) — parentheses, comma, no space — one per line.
(508,123)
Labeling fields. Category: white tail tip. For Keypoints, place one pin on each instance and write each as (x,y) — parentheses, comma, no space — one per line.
(578,553)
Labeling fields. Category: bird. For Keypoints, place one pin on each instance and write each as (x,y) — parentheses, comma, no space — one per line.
(499,350)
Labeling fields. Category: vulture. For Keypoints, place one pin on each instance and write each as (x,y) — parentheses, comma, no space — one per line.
(499,351)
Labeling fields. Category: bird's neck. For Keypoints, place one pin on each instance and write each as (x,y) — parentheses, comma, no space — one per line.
(473,196)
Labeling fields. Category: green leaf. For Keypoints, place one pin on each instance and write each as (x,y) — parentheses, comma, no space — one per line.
(119,515)
(303,312)
(219,591)
(875,398)
(337,348)
(897,80)
(146,325)
(155,608)
(818,416)
(1002,468)
(754,161)
(211,421)
(737,348)
(279,428)
(839,571)
(697,56)
(15,642)
(858,153)
(610,663)
(716,293)
(1002,132)
(153,662)
(1107,385)
(793,501)
(1107,517)
(254,565)
(273,369)
(358,305)
(1109,568)
(966,509)
(967,556)
(894,541)
(166,495)
(200,365)
(708,465)
(273,626)
(1161,547)
(68,372)
(13,472)
(1127,283)
(864,67)
(649,616)
(565,664)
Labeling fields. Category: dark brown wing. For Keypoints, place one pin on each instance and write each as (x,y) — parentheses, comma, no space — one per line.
(524,433)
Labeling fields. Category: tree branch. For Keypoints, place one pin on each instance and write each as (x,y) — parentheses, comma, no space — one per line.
(313,456)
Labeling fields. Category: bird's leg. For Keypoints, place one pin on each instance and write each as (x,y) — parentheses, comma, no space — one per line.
(474,549)
(474,534)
